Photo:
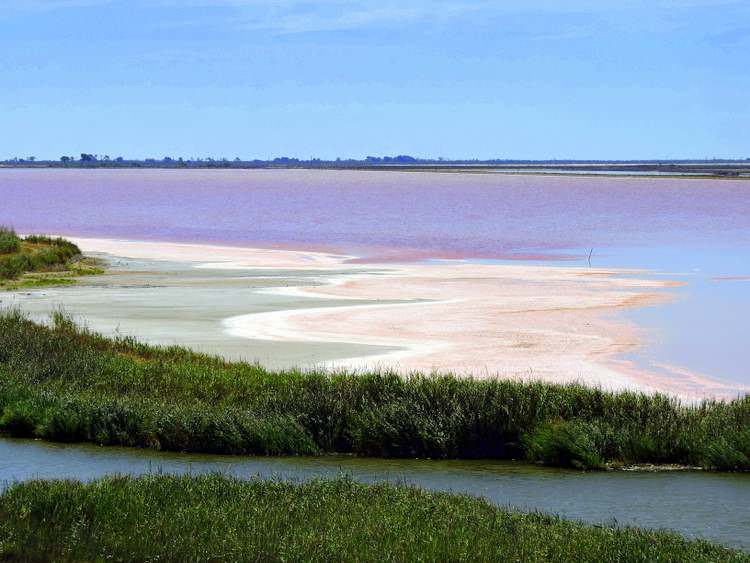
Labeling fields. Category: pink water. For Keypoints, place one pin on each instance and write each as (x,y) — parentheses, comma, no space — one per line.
(697,228)
(381,214)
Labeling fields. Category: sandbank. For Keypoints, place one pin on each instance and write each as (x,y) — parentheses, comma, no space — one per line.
(548,322)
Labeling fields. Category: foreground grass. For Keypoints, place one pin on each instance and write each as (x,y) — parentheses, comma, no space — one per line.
(213,518)
(63,383)
(37,261)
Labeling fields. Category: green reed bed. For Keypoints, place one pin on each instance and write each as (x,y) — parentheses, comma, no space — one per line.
(215,518)
(34,253)
(63,383)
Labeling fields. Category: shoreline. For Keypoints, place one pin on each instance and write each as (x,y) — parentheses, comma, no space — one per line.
(515,321)
(560,171)
(114,391)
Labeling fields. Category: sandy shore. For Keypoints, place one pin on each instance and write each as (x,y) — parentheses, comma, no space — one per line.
(544,322)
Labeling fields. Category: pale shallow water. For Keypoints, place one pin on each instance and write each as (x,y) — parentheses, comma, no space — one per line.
(168,303)
(705,505)
(693,230)
(703,328)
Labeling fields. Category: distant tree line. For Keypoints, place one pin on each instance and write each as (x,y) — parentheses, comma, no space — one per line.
(91,160)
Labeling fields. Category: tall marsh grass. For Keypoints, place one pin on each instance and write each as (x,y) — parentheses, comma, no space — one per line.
(64,383)
(214,518)
(32,254)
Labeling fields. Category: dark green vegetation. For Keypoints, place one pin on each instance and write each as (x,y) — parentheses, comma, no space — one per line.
(215,518)
(9,241)
(63,383)
(36,260)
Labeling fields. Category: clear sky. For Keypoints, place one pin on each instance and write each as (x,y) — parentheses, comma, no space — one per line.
(454,78)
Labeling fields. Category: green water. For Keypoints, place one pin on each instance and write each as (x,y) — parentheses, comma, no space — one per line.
(706,505)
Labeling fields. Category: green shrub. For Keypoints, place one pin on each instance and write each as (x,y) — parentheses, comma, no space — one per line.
(13,265)
(9,241)
(20,419)
(33,253)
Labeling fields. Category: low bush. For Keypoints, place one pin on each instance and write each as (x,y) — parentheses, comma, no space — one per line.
(33,253)
(9,241)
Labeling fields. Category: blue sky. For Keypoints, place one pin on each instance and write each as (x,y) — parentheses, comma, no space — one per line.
(457,79)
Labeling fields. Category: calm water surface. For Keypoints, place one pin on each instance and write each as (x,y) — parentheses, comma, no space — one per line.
(694,230)
(706,505)
(406,214)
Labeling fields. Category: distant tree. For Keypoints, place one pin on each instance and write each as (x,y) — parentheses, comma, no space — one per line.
(65,159)
(86,157)
(405,158)
(119,159)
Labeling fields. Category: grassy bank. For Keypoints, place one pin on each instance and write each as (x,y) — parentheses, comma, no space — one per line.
(216,518)
(36,260)
(63,383)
